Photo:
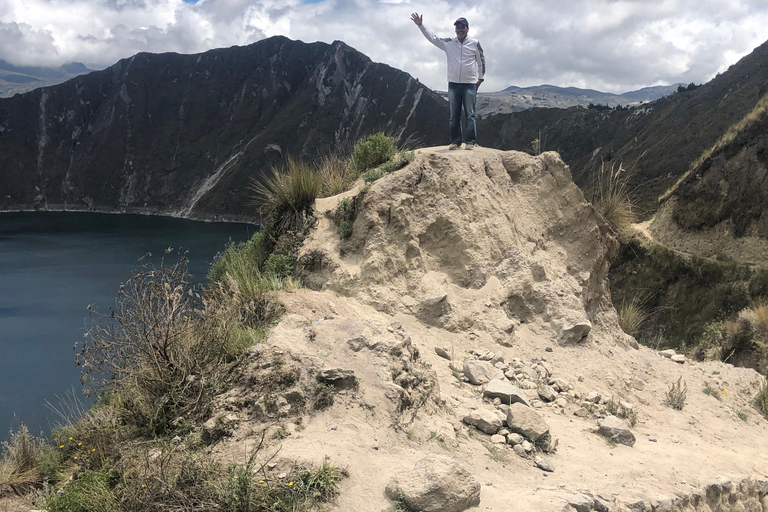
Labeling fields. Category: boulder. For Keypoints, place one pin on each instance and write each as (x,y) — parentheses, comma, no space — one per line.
(435,484)
(616,430)
(576,332)
(504,390)
(544,464)
(526,421)
(546,393)
(338,378)
(581,502)
(484,420)
(479,372)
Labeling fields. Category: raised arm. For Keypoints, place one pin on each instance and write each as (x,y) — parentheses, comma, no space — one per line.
(432,38)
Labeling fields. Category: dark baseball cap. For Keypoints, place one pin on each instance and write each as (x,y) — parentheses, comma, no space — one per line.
(462,21)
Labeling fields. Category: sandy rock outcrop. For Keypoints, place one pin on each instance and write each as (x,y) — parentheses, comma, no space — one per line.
(496,242)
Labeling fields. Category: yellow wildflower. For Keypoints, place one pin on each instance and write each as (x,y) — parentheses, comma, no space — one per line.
(93,450)
(79,444)
(261,481)
(70,438)
(74,458)
(143,486)
(61,446)
(290,484)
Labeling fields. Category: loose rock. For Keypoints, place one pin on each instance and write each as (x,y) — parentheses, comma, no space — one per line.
(507,392)
(544,464)
(479,372)
(526,421)
(484,420)
(435,484)
(616,430)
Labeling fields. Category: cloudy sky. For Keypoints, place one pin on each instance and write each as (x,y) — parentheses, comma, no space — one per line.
(609,45)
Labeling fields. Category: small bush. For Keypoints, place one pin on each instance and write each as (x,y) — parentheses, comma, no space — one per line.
(90,491)
(279,265)
(709,390)
(677,394)
(373,151)
(346,216)
(288,196)
(616,408)
(397,162)
(611,199)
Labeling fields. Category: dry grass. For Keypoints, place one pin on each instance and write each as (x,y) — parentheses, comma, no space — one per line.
(632,314)
(18,459)
(612,200)
(336,175)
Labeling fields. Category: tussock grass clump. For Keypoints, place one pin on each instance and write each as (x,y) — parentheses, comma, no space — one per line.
(677,394)
(346,217)
(611,199)
(337,175)
(288,195)
(88,492)
(632,314)
(18,459)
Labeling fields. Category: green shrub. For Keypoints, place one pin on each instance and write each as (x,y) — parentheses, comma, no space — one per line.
(398,161)
(279,265)
(249,255)
(89,492)
(346,216)
(372,151)
(287,196)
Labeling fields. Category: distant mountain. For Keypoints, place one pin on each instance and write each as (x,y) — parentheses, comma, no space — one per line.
(19,79)
(186,134)
(517,99)
(656,142)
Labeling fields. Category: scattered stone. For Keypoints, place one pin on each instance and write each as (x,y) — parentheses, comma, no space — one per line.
(678,358)
(526,421)
(527,446)
(498,439)
(435,484)
(544,464)
(484,420)
(518,449)
(616,430)
(580,502)
(594,397)
(548,349)
(576,332)
(546,393)
(667,353)
(561,402)
(562,384)
(581,378)
(442,353)
(507,392)
(504,432)
(479,372)
(515,439)
(651,438)
(581,412)
(338,378)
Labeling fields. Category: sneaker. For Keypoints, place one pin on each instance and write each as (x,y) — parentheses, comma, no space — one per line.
(470,146)
(454,146)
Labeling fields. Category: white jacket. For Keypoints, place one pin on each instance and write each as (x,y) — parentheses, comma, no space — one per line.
(466,62)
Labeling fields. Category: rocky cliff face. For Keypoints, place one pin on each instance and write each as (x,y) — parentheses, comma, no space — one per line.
(184,134)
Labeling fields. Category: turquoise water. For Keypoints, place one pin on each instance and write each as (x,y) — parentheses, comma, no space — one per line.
(52,266)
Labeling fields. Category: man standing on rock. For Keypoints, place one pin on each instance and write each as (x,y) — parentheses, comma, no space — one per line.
(466,68)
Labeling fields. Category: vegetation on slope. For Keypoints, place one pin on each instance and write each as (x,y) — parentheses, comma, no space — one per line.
(157,362)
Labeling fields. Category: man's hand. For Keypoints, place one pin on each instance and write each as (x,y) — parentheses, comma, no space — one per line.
(417,19)
(477,85)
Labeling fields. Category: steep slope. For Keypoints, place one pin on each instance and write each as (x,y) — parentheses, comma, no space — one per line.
(474,287)
(185,134)
(720,210)
(656,142)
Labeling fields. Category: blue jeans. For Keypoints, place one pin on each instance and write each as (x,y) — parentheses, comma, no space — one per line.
(466,95)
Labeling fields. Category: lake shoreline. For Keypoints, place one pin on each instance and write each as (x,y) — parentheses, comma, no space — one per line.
(62,208)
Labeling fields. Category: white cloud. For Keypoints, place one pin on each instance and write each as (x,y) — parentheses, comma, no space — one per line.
(612,45)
